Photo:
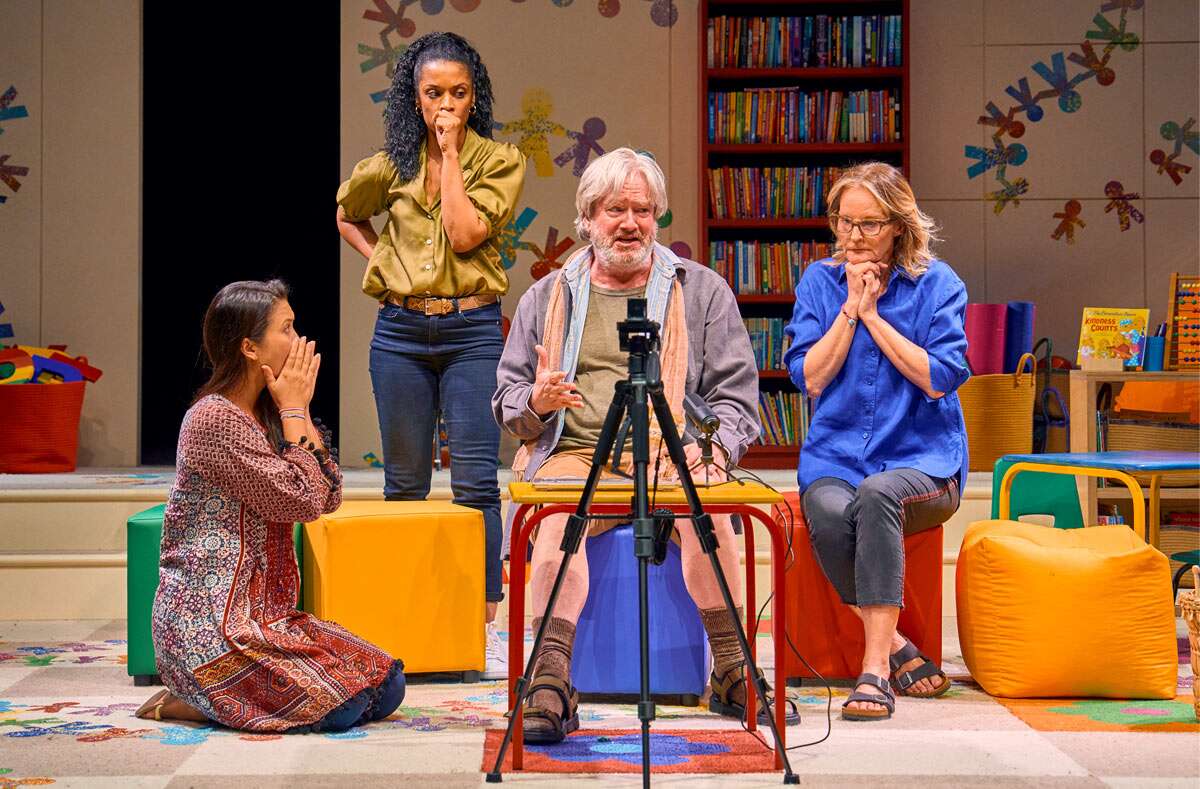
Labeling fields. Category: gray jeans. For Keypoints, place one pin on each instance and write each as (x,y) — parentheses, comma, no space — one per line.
(858,534)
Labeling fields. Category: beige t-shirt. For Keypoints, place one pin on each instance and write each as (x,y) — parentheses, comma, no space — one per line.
(601,364)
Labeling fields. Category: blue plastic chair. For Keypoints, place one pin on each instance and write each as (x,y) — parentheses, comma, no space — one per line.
(1038,493)
(605,658)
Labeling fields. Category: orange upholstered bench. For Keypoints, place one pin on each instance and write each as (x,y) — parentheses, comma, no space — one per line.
(825,631)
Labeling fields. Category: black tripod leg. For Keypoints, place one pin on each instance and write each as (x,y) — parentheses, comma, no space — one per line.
(644,534)
(572,537)
(702,522)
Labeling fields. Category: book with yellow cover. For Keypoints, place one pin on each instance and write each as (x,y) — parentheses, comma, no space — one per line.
(1113,333)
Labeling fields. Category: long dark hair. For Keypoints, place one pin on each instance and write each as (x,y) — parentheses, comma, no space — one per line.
(240,310)
(404,128)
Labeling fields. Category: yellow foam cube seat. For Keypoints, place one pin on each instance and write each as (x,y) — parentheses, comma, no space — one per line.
(1052,613)
(407,576)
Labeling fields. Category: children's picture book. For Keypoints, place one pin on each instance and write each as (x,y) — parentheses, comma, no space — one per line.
(1113,333)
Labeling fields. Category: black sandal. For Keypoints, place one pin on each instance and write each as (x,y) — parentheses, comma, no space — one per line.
(721,700)
(560,725)
(903,681)
(885,698)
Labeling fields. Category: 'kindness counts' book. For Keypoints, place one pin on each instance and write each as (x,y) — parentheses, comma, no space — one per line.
(1110,333)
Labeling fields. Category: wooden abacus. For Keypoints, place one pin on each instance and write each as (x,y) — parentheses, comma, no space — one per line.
(1182,348)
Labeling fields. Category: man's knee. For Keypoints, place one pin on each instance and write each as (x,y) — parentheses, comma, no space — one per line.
(550,533)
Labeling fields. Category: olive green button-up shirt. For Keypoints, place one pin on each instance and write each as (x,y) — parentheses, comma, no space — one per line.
(413,256)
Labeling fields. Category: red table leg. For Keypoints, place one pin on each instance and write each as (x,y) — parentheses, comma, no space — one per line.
(751,610)
(778,612)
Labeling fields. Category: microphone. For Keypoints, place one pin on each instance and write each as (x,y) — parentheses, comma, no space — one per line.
(704,420)
(700,415)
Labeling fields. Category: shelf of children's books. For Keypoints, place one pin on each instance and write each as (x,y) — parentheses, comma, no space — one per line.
(765,298)
(744,6)
(756,148)
(768,222)
(814,73)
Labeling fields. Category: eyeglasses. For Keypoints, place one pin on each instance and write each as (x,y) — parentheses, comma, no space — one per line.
(868,227)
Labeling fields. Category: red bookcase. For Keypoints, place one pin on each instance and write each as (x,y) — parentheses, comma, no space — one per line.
(745,58)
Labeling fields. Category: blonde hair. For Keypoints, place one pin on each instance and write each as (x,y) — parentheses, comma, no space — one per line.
(894,194)
(606,176)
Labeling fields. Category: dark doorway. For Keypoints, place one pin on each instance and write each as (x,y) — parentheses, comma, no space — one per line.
(240,167)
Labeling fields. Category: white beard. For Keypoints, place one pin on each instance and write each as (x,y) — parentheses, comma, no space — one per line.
(621,263)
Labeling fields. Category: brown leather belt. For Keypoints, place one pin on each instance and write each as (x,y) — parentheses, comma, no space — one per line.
(434,305)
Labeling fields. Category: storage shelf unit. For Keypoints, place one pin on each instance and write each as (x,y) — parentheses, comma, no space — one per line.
(790,154)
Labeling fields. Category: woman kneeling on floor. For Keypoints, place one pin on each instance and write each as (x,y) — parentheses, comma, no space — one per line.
(230,645)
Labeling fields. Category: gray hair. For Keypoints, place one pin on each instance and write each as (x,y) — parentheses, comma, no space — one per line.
(606,176)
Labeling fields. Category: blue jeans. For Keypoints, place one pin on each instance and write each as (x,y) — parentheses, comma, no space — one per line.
(373,704)
(858,533)
(419,362)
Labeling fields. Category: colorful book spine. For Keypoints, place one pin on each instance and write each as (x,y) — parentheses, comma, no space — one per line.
(769,192)
(768,341)
(770,115)
(763,267)
(784,417)
(804,42)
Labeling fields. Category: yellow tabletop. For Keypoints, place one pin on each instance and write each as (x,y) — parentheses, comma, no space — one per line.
(608,493)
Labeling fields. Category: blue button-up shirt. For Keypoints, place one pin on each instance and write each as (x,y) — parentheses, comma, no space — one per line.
(870,418)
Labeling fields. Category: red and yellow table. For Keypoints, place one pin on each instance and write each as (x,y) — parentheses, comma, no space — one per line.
(729,498)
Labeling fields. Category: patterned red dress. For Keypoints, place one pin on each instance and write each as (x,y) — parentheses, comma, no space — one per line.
(227,636)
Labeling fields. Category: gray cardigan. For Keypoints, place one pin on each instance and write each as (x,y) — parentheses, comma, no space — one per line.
(721,364)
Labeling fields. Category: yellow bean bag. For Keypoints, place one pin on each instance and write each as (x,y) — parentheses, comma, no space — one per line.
(1048,612)
(408,576)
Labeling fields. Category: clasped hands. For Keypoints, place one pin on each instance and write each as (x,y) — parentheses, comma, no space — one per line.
(864,279)
(551,392)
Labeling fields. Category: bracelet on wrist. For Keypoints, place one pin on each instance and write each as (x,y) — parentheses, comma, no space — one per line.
(852,321)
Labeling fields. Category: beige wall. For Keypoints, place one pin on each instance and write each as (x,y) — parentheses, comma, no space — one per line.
(964,54)
(71,258)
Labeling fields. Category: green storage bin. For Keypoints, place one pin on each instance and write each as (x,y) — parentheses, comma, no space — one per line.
(1039,493)
(144,538)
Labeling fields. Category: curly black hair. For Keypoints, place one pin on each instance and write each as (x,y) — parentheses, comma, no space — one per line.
(404,128)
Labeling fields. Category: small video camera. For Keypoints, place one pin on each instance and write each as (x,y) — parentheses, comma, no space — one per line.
(637,328)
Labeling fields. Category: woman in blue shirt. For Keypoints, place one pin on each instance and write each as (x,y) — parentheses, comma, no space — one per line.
(877,342)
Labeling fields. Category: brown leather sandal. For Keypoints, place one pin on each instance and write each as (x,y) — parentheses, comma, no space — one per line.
(551,727)
(885,698)
(721,701)
(164,705)
(903,681)
(152,709)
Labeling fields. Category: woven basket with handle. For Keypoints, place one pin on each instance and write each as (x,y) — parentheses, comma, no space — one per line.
(998,410)
(1189,605)
(1139,434)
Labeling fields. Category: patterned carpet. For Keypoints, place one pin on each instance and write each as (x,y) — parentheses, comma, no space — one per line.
(66,704)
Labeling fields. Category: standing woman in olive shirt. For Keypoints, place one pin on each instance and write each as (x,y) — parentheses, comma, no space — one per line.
(448,190)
